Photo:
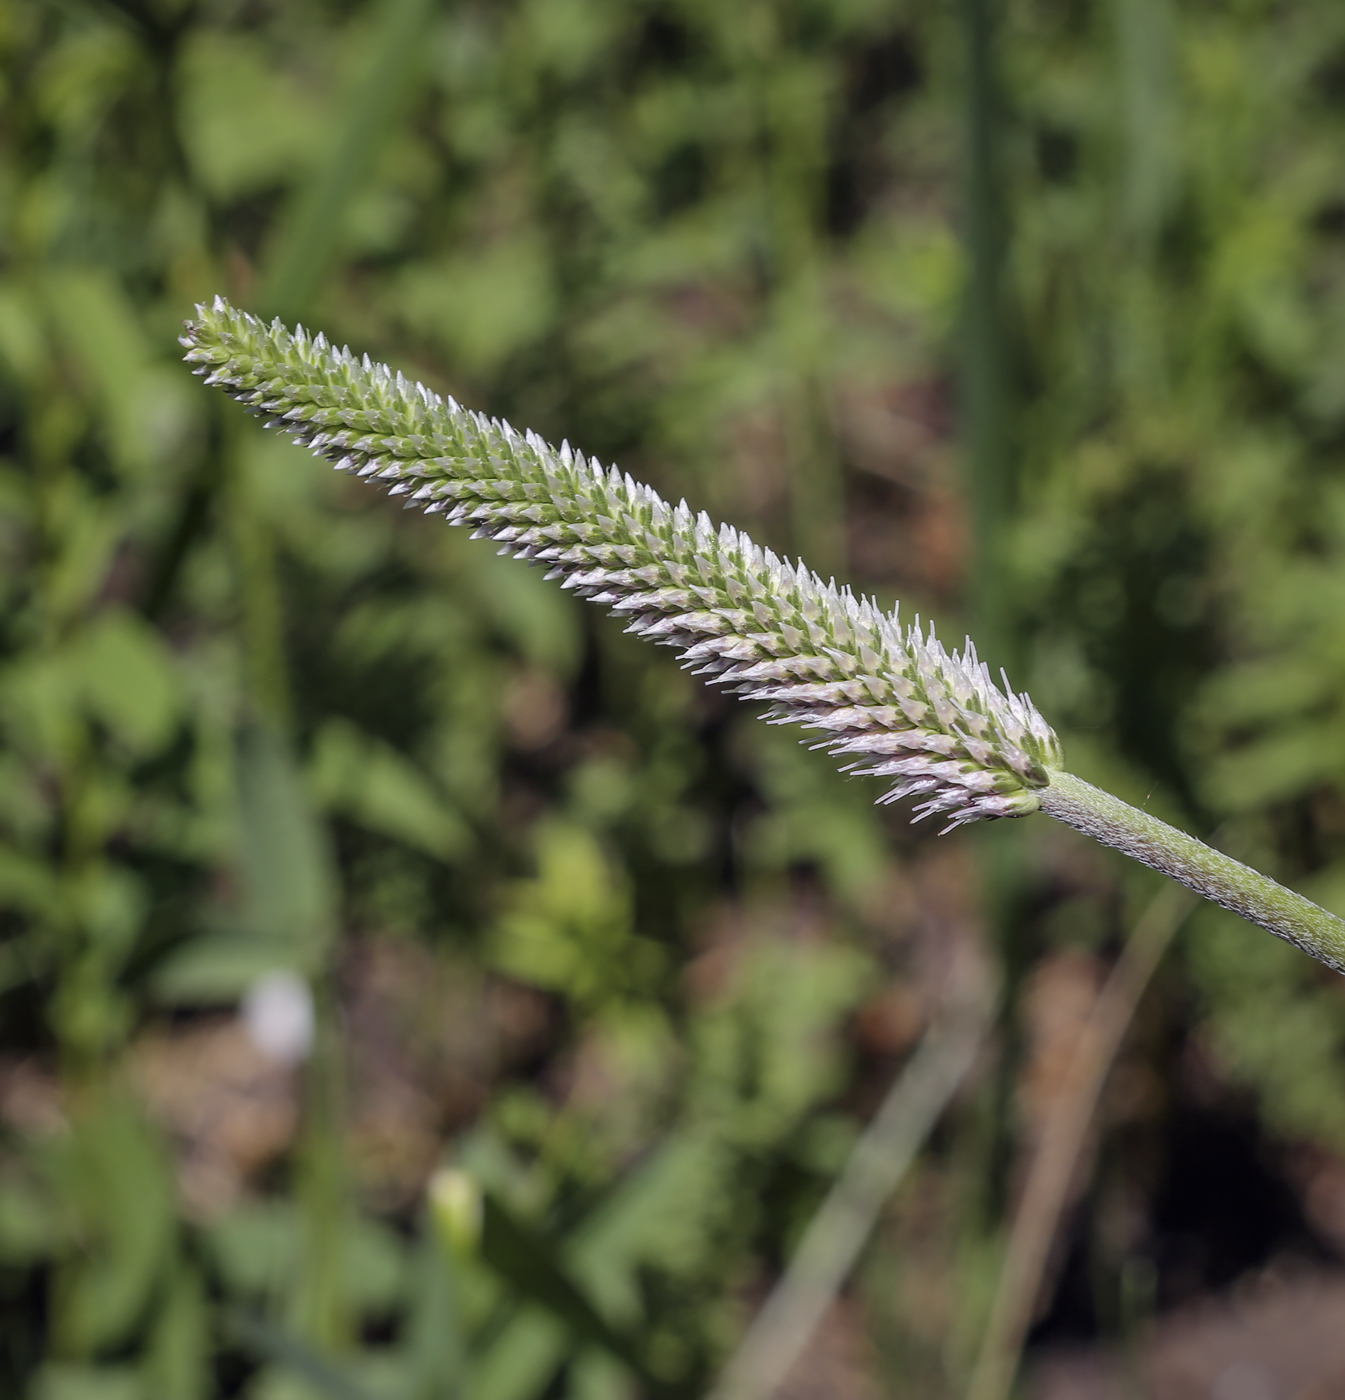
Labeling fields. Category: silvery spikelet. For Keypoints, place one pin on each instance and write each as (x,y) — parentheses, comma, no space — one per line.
(889,699)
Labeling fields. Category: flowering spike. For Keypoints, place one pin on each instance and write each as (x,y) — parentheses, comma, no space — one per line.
(896,704)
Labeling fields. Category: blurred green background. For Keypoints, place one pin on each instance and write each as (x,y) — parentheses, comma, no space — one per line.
(1030,315)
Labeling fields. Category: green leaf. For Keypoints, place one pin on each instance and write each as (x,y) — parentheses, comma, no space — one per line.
(64,1380)
(288,884)
(246,121)
(178,1354)
(570,928)
(364,778)
(484,304)
(265,1339)
(217,968)
(29,1222)
(308,234)
(111,1172)
(142,403)
(528,1260)
(129,680)
(257,1249)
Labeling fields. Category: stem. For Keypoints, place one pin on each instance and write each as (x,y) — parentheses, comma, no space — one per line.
(986,389)
(1199,867)
(1052,1176)
(836,1235)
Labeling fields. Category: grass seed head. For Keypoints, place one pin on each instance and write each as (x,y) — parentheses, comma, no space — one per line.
(887,698)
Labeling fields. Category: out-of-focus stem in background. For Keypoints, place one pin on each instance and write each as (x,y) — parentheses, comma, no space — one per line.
(786,1323)
(1055,1163)
(986,409)
(986,431)
(791,113)
(306,244)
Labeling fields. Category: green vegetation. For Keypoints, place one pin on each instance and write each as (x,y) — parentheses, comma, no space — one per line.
(605,976)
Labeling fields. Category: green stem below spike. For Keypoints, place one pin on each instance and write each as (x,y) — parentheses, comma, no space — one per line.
(1199,867)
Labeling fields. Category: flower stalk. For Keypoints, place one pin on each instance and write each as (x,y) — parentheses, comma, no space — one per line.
(887,699)
(1199,867)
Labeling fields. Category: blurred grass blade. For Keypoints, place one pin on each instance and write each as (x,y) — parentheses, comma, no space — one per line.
(288,879)
(435,1348)
(836,1235)
(1051,1175)
(986,409)
(268,1342)
(310,230)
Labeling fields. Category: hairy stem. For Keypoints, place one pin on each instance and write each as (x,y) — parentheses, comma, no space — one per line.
(1199,867)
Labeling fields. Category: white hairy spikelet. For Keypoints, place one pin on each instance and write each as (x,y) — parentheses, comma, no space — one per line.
(887,698)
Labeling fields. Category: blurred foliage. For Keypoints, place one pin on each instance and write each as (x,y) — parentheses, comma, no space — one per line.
(633,964)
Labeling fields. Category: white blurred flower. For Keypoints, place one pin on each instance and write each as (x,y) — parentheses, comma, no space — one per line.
(278,1015)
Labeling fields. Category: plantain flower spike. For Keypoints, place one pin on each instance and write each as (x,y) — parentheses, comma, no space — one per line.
(886,698)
